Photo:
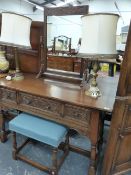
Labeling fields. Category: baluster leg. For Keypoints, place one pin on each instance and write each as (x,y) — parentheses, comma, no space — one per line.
(94,137)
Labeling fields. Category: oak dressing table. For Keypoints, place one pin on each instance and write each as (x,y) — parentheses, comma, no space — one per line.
(60,101)
(64,103)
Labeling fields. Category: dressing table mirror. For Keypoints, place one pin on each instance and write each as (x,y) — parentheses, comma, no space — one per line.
(61,48)
(62,45)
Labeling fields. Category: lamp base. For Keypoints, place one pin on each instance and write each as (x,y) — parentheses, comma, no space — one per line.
(93,92)
(18,76)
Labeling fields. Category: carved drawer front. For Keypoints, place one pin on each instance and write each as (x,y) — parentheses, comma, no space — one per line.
(41,103)
(7,95)
(77,113)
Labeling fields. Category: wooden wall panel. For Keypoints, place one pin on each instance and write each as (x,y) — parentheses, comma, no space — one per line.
(129,85)
(29,61)
(125,74)
(124,142)
(117,158)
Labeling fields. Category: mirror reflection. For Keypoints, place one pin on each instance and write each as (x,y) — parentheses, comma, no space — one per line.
(63,42)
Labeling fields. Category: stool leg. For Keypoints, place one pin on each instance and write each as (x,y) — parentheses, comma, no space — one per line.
(66,147)
(54,162)
(14,146)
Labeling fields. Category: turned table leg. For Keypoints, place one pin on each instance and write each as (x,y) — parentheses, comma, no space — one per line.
(3,135)
(94,137)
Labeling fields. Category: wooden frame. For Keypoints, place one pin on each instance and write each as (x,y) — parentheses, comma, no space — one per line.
(117,157)
(59,11)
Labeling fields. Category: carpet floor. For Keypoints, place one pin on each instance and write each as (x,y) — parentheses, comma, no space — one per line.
(74,164)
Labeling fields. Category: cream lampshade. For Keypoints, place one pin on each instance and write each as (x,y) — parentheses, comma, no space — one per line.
(99,34)
(15,32)
(98,42)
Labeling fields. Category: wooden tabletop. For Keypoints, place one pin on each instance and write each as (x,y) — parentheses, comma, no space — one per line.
(67,92)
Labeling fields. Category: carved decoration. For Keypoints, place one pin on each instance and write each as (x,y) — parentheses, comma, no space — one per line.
(7,95)
(76,112)
(44,104)
(40,103)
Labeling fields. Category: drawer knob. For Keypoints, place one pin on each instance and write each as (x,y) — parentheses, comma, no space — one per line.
(48,107)
(121,136)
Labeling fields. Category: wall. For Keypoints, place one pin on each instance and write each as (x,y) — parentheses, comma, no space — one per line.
(22,7)
(109,6)
(124,7)
(71,26)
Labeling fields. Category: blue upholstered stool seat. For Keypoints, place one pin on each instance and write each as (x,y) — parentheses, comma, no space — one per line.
(39,129)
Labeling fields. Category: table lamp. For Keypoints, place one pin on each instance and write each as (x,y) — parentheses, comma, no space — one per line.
(15,32)
(4,64)
(98,43)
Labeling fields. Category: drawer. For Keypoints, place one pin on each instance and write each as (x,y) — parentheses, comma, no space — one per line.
(7,95)
(77,113)
(40,103)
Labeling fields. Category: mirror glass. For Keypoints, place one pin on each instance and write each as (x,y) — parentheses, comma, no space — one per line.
(62,44)
(63,36)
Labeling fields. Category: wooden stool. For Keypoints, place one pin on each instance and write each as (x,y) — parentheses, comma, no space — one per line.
(41,130)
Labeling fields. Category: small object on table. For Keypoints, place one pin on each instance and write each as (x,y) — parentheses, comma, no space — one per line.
(8,77)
